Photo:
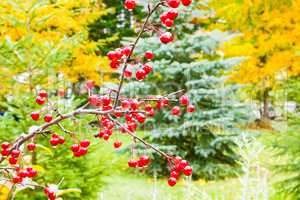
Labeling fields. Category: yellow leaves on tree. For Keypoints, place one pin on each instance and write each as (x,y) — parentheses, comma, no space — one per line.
(40,38)
(270,38)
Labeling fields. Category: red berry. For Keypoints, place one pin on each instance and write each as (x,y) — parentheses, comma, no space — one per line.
(114,64)
(172,181)
(15,153)
(184,100)
(188,170)
(61,139)
(111,55)
(100,134)
(23,173)
(168,22)
(134,104)
(172,14)
(174,174)
(35,116)
(93,100)
(85,143)
(165,101)
(186,2)
(31,146)
(147,68)
(118,114)
(39,100)
(43,94)
(182,165)
(163,17)
(149,55)
(106,100)
(140,74)
(151,113)
(130,4)
(131,126)
(127,73)
(75,147)
(106,136)
(126,51)
(61,92)
(148,107)
(48,118)
(17,179)
(177,160)
(117,144)
(5,152)
(76,154)
(125,104)
(140,117)
(54,141)
(166,37)
(175,110)
(31,172)
(82,151)
(128,117)
(5,145)
(144,160)
(12,161)
(173,3)
(89,84)
(132,163)
(190,108)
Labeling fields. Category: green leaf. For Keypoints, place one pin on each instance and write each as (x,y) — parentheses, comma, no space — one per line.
(65,191)
(46,149)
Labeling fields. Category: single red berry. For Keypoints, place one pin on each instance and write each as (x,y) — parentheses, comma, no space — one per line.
(106,108)
(35,116)
(164,101)
(61,139)
(61,92)
(188,170)
(126,51)
(46,190)
(151,113)
(149,55)
(147,68)
(177,160)
(54,141)
(114,64)
(17,179)
(175,110)
(168,22)
(173,3)
(5,152)
(5,145)
(105,100)
(145,160)
(128,117)
(118,54)
(75,147)
(54,135)
(190,108)
(108,132)
(31,172)
(184,100)
(118,114)
(76,154)
(15,153)
(117,144)
(148,107)
(172,181)
(106,137)
(140,74)
(40,100)
(134,104)
(127,73)
(172,14)
(89,84)
(43,94)
(174,174)
(131,126)
(111,55)
(163,17)
(31,146)
(51,195)
(48,118)
(140,117)
(125,104)
(132,163)
(12,160)
(182,165)
(83,151)
(93,100)
(85,143)
(100,134)
(186,2)
(166,37)
(130,4)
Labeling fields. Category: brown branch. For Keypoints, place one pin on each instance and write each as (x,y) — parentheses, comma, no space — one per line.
(150,12)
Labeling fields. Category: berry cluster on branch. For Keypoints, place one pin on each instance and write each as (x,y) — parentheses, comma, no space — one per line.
(113,110)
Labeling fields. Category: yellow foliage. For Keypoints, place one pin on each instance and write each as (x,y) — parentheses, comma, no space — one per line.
(48,22)
(270,40)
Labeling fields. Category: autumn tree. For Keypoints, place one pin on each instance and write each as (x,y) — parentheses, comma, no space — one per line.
(269,38)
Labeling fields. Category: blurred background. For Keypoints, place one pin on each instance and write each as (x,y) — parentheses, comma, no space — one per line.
(238,60)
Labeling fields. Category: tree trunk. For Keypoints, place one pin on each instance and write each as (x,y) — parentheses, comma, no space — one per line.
(265,114)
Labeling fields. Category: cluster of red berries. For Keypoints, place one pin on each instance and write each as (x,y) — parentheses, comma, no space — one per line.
(13,155)
(143,161)
(31,147)
(56,139)
(50,193)
(41,99)
(184,101)
(23,173)
(80,149)
(180,165)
